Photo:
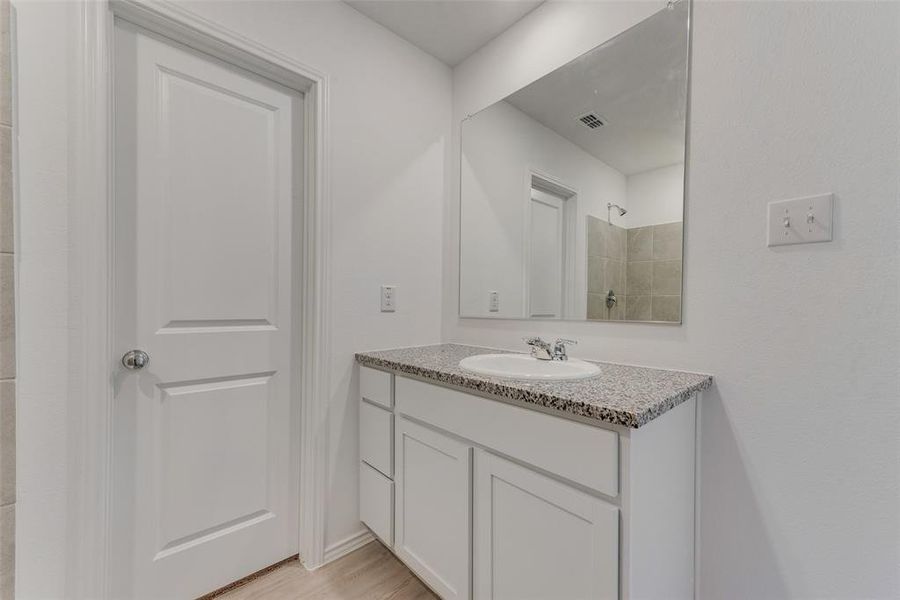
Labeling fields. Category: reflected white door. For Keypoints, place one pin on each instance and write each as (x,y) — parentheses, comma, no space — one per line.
(546,255)
(204,473)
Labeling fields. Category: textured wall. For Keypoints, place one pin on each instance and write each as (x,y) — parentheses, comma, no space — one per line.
(7,321)
(42,125)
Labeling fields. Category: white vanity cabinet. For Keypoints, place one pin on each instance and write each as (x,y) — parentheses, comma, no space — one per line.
(490,500)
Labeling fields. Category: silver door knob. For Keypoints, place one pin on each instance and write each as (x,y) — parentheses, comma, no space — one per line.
(135,359)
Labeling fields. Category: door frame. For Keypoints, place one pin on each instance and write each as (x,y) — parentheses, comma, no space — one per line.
(536,179)
(91,173)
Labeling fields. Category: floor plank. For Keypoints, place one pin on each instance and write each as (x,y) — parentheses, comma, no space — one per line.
(370,573)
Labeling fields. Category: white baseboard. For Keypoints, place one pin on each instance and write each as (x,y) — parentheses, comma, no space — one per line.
(347,545)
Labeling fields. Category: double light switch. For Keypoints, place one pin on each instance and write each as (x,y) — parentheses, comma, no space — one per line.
(800,220)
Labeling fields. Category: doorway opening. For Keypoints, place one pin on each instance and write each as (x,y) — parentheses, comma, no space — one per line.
(551,216)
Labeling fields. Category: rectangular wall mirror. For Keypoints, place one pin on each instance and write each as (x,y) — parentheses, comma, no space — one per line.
(572,188)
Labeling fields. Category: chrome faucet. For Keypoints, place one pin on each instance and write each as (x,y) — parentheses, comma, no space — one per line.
(542,350)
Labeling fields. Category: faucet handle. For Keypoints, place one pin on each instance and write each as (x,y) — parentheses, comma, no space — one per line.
(533,341)
(559,348)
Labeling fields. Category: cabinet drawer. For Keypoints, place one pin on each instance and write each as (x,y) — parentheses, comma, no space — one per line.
(376,503)
(581,453)
(376,437)
(376,386)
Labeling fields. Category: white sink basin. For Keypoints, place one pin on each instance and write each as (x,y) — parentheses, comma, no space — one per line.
(521,366)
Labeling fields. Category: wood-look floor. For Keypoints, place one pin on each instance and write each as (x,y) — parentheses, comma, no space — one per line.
(370,573)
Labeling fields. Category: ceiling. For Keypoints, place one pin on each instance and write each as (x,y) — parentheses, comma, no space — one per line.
(449,30)
(636,82)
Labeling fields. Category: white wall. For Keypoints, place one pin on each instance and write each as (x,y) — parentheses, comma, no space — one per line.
(389,109)
(42,310)
(800,472)
(655,196)
(502,145)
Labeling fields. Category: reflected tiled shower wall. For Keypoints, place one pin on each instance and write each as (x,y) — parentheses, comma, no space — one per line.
(653,273)
(642,266)
(607,249)
(7,321)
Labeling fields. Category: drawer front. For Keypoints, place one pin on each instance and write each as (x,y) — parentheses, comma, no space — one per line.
(376,437)
(376,503)
(580,453)
(376,386)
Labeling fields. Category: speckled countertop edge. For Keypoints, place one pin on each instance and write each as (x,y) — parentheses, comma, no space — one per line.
(621,395)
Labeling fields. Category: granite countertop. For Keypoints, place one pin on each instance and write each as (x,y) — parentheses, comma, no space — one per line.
(620,394)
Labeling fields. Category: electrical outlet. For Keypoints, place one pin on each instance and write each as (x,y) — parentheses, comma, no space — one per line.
(494,301)
(388,298)
(800,220)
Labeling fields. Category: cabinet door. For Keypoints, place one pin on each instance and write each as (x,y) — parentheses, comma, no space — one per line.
(433,521)
(538,538)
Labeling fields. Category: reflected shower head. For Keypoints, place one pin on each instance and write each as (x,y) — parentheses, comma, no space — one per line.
(621,210)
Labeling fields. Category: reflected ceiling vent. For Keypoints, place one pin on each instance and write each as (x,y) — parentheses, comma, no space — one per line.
(592,120)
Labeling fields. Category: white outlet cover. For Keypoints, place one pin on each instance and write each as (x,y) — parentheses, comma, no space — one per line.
(388,298)
(800,220)
(493,301)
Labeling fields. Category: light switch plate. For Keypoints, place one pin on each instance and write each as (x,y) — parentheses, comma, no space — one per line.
(801,220)
(388,298)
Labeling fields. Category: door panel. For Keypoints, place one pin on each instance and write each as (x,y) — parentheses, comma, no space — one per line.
(205,468)
(538,538)
(547,257)
(218,148)
(220,430)
(432,507)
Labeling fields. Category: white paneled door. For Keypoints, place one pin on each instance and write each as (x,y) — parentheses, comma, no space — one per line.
(205,467)
(546,255)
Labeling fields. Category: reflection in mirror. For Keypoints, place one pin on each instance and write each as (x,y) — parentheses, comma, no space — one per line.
(572,188)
